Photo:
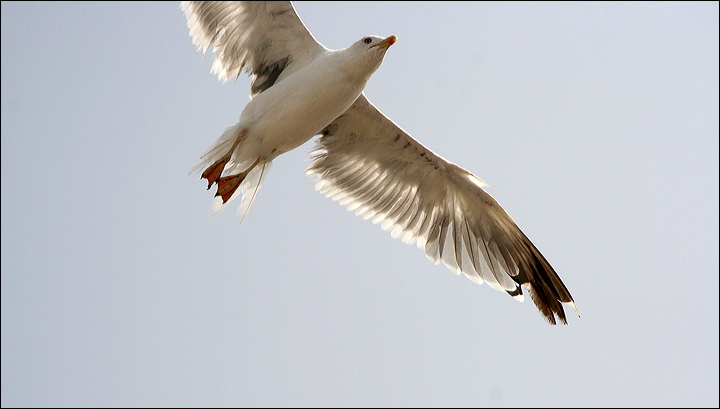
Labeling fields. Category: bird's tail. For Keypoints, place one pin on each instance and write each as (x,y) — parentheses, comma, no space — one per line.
(235,174)
(228,142)
(248,189)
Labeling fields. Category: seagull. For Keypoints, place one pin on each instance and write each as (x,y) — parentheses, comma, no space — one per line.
(363,160)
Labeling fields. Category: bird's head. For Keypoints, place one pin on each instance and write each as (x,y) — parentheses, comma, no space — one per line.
(367,53)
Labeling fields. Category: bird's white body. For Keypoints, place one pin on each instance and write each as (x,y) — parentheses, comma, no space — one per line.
(297,108)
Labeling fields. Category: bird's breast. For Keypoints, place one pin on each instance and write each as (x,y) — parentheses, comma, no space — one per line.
(299,106)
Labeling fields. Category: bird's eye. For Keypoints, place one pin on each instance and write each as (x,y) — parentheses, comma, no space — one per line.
(367,40)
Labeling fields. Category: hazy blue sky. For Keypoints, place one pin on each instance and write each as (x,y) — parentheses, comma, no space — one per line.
(596,126)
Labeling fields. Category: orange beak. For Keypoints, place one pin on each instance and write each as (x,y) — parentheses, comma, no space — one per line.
(386,42)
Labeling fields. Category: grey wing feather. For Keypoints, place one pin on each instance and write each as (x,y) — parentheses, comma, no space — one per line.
(369,164)
(266,39)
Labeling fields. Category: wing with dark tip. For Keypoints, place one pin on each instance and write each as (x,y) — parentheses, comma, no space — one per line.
(369,164)
(265,39)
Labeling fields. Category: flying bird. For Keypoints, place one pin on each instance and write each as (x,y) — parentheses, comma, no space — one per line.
(362,159)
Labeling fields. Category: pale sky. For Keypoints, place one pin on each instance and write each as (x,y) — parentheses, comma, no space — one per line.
(595,125)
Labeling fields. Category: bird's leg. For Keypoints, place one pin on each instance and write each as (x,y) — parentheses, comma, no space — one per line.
(213,172)
(227,185)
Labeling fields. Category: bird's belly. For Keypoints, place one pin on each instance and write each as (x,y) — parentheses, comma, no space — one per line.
(291,112)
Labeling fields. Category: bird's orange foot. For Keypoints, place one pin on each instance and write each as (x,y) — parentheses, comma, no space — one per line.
(213,172)
(228,185)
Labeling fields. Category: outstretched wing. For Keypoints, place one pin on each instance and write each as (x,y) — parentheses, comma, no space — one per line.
(266,39)
(369,164)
